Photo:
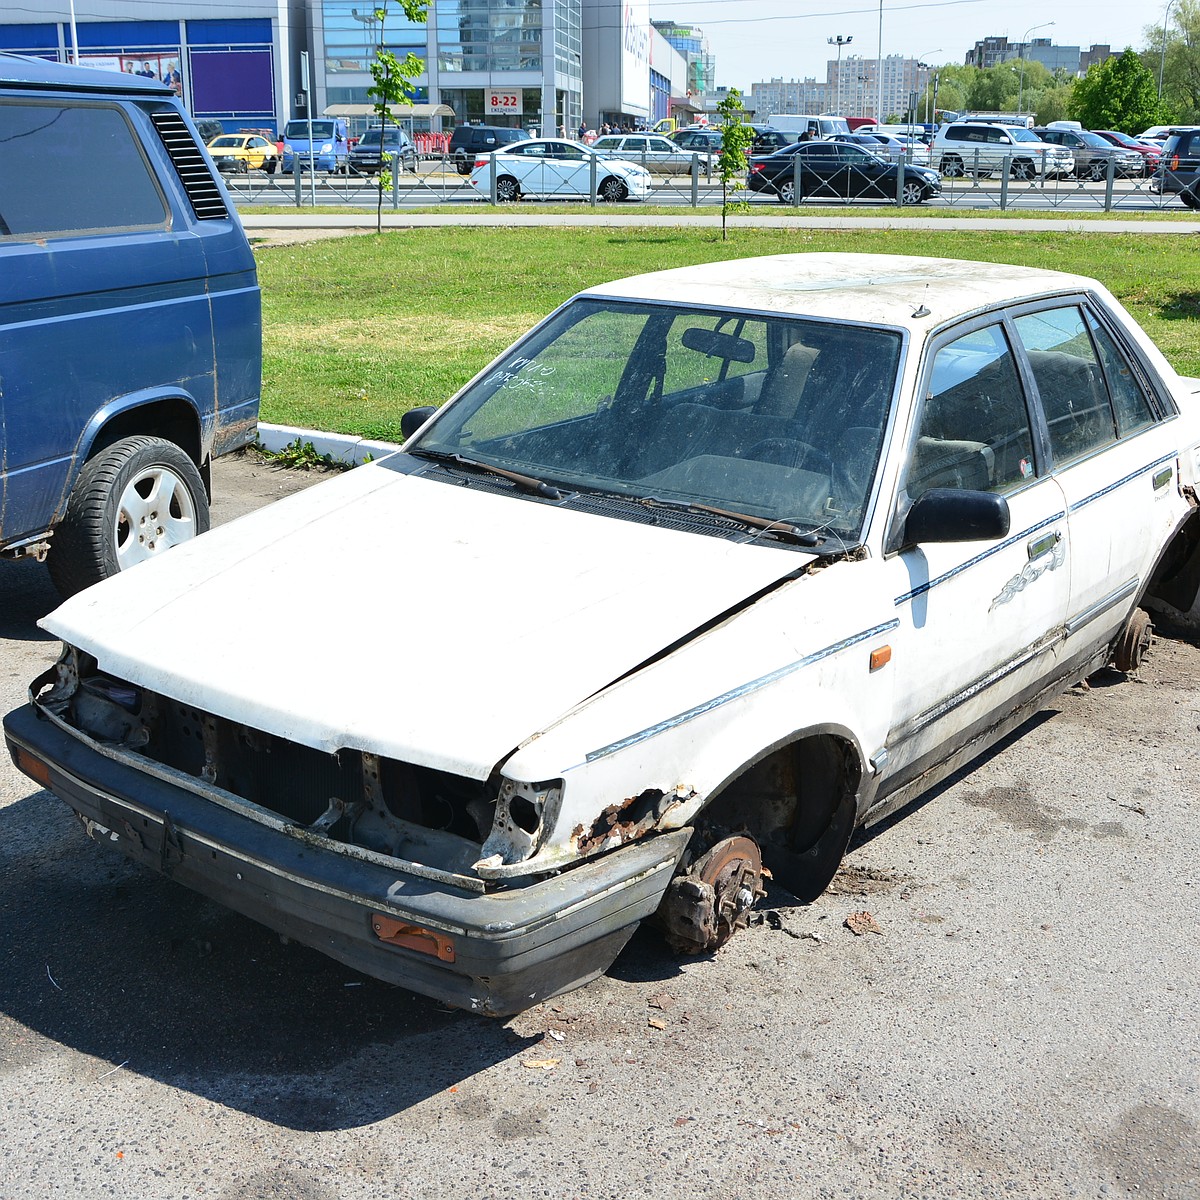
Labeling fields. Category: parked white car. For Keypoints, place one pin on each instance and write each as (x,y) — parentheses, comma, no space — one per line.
(982,147)
(550,168)
(655,153)
(709,568)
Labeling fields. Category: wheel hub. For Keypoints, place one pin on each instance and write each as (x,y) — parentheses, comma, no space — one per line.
(704,907)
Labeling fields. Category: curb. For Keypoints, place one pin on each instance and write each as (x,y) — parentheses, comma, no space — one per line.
(341,447)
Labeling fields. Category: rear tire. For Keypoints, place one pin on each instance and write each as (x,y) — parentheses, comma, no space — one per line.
(507,189)
(132,501)
(787,192)
(951,166)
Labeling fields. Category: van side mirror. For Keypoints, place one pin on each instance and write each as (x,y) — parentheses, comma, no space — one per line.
(956,515)
(412,420)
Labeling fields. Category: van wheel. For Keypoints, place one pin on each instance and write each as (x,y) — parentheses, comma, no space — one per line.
(1189,198)
(133,500)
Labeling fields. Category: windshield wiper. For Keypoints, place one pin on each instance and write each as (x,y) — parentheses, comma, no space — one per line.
(784,528)
(539,487)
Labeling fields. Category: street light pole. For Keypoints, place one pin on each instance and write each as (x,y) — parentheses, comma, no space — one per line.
(839,42)
(1162,54)
(1024,46)
(879,114)
(922,64)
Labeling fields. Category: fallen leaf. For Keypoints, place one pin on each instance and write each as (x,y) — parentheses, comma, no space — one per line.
(541,1064)
(862,922)
(655,1023)
(662,1001)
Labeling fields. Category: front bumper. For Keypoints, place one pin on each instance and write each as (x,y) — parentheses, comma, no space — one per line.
(495,953)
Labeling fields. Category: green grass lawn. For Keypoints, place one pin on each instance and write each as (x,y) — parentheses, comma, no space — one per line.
(357,330)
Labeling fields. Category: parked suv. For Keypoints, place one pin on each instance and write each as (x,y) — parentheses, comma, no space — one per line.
(1179,167)
(130,330)
(979,148)
(467,142)
(1092,152)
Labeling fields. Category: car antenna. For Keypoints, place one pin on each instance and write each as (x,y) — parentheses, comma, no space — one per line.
(921,310)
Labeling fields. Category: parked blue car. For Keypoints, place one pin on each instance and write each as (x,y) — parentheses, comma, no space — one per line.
(130,323)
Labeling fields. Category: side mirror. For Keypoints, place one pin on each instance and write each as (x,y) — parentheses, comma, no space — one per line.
(956,515)
(412,420)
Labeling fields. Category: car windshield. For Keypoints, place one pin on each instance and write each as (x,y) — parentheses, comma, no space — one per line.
(1023,135)
(225,143)
(1094,140)
(372,136)
(778,418)
(299,129)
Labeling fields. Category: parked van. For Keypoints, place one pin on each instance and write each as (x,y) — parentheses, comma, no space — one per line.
(328,149)
(822,125)
(130,328)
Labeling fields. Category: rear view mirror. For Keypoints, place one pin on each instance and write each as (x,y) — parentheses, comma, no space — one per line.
(956,515)
(719,345)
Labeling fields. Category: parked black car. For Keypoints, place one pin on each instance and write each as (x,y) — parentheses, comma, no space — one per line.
(366,156)
(840,171)
(467,142)
(1179,168)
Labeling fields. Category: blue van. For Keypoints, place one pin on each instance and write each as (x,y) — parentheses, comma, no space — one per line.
(130,321)
(328,148)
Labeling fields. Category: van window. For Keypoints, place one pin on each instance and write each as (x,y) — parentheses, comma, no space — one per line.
(73,142)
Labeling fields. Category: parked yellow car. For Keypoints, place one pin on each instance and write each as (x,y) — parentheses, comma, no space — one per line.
(237,153)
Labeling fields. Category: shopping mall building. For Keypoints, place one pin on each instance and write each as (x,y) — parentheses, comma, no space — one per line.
(540,64)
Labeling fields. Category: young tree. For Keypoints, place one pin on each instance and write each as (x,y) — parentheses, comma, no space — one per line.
(392,85)
(736,138)
(1172,55)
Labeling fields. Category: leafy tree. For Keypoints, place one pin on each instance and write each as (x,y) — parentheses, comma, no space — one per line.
(392,85)
(1118,93)
(1052,103)
(736,139)
(1177,58)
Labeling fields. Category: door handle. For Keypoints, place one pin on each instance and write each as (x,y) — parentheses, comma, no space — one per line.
(1163,477)
(1044,544)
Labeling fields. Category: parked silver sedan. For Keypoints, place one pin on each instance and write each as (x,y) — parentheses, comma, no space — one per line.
(657,154)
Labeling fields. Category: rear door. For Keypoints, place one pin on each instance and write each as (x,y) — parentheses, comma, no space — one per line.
(1114,456)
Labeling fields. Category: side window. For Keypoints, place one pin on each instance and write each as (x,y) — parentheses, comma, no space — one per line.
(1130,401)
(49,148)
(974,430)
(1069,381)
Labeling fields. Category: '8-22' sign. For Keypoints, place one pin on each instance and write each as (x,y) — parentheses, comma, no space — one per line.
(503,102)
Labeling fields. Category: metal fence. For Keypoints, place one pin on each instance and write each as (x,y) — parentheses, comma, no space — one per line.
(985,183)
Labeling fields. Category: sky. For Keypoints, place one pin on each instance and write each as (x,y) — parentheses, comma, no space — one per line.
(756,40)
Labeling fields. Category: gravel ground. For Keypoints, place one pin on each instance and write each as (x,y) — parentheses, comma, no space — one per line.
(1022,1025)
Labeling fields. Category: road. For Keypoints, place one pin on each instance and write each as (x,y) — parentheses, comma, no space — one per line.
(1023,1026)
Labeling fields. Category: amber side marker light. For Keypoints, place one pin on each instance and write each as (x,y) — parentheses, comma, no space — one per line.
(880,657)
(412,937)
(37,770)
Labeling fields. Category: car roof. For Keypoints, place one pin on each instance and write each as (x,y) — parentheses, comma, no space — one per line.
(883,288)
(42,73)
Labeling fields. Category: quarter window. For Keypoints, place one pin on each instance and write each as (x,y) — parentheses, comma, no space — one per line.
(1129,399)
(974,431)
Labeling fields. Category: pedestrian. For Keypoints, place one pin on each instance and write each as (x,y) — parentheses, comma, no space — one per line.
(582,130)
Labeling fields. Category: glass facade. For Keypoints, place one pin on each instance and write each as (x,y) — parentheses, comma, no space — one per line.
(352,32)
(489,35)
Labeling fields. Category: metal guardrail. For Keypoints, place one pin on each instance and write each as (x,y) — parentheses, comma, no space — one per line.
(436,181)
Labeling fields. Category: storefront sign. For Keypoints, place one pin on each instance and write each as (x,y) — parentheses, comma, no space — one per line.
(502,102)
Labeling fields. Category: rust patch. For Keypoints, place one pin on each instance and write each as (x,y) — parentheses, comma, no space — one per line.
(626,821)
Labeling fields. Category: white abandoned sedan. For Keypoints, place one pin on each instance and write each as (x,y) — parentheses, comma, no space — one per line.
(711,567)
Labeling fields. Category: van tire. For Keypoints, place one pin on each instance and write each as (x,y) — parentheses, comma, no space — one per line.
(133,500)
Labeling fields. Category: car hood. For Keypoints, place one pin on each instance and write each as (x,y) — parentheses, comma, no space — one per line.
(438,624)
